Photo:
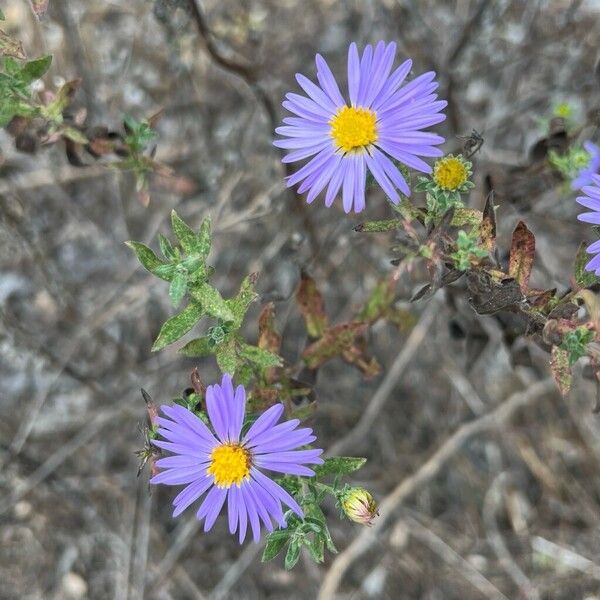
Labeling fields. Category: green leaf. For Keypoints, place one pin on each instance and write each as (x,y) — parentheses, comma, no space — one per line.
(166,247)
(246,295)
(35,68)
(276,540)
(177,326)
(226,354)
(184,233)
(178,287)
(203,238)
(584,278)
(263,359)
(149,260)
(213,302)
(339,465)
(198,348)
(292,556)
(316,548)
(165,272)
(378,226)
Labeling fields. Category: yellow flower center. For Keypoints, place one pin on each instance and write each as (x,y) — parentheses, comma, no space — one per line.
(230,464)
(353,128)
(450,173)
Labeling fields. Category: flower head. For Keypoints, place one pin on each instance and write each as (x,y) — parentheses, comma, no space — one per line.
(382,121)
(358,505)
(228,465)
(451,172)
(591,167)
(591,200)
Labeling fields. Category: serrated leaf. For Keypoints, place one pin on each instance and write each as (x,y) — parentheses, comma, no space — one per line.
(213,302)
(312,307)
(584,279)
(268,338)
(239,305)
(226,355)
(522,251)
(177,326)
(11,47)
(335,341)
(178,287)
(378,226)
(339,465)
(203,238)
(292,555)
(262,358)
(275,543)
(147,258)
(34,69)
(198,348)
(561,371)
(184,233)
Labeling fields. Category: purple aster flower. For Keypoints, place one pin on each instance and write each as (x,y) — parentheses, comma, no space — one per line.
(345,139)
(229,466)
(592,200)
(584,177)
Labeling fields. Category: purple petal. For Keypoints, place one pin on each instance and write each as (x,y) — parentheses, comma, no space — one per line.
(264,422)
(328,82)
(360,177)
(316,163)
(348,186)
(305,114)
(306,152)
(248,501)
(179,476)
(260,506)
(233,498)
(593,203)
(276,491)
(297,456)
(381,178)
(593,248)
(324,178)
(188,418)
(404,157)
(382,68)
(190,494)
(237,413)
(215,407)
(180,448)
(365,71)
(316,94)
(591,217)
(215,507)
(175,462)
(391,85)
(242,513)
(353,73)
(287,441)
(273,433)
(336,182)
(310,106)
(282,467)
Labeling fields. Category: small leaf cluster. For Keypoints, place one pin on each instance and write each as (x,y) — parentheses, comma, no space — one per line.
(467,249)
(311,531)
(575,343)
(569,163)
(16,78)
(184,267)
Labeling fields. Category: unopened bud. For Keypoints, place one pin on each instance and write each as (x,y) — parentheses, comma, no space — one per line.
(358,505)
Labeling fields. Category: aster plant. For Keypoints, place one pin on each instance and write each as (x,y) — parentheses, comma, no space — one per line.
(381,121)
(591,200)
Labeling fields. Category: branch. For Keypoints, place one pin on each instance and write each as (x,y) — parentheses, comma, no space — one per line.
(427,471)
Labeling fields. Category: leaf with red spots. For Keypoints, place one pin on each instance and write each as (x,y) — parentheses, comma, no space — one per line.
(522,251)
(312,307)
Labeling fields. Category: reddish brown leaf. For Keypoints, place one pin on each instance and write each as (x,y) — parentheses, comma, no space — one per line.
(561,371)
(334,342)
(487,229)
(312,307)
(11,47)
(39,7)
(268,338)
(522,252)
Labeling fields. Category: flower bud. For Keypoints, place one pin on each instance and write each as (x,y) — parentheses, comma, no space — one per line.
(358,505)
